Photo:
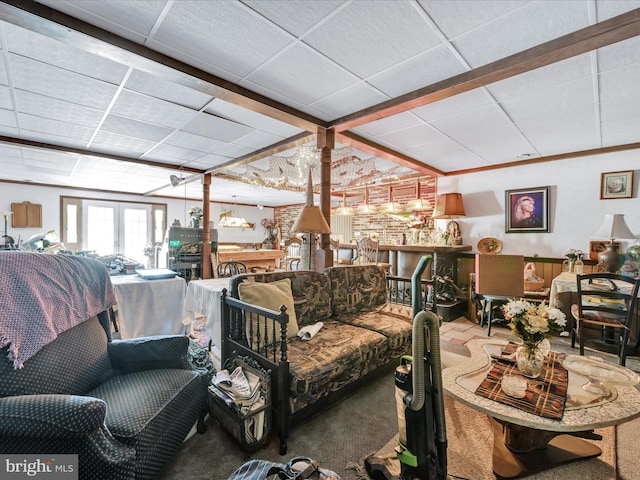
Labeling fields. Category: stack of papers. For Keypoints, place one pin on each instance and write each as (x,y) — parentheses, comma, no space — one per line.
(242,391)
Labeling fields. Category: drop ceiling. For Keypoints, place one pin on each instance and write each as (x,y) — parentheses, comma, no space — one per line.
(118,95)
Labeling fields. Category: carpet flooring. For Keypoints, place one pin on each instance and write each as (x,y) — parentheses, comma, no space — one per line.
(342,437)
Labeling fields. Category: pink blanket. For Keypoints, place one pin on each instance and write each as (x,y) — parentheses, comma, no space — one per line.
(42,295)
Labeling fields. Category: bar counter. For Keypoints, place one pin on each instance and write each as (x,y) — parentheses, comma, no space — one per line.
(404,258)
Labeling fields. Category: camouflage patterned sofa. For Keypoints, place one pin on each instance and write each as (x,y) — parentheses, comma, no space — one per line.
(361,334)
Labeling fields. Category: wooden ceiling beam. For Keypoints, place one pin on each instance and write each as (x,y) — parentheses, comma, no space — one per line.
(596,36)
(361,143)
(46,21)
(550,158)
(20,142)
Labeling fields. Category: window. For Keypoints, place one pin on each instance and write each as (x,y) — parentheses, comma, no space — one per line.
(111,227)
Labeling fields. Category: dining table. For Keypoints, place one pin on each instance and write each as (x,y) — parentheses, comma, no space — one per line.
(564,293)
(526,442)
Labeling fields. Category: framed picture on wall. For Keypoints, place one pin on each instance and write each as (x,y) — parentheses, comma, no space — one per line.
(527,210)
(616,185)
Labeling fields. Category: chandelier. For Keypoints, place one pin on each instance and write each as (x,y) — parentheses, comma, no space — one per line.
(290,173)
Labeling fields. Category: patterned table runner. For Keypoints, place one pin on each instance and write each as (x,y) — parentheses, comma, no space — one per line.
(545,395)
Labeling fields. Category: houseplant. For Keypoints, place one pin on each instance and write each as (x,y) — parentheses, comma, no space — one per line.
(532,323)
(196,216)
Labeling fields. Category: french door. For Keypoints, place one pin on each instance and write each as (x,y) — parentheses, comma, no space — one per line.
(113,227)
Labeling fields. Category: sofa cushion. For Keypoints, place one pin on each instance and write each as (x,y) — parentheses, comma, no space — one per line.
(356,288)
(391,320)
(337,349)
(54,369)
(271,295)
(310,289)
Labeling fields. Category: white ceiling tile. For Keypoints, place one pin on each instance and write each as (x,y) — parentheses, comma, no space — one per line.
(406,34)
(78,133)
(388,124)
(43,49)
(48,107)
(133,22)
(167,153)
(540,78)
(216,128)
(352,99)
(8,118)
(251,119)
(410,137)
(238,39)
(612,8)
(451,106)
(481,129)
(133,128)
(548,101)
(151,110)
(294,16)
(566,131)
(620,83)
(516,31)
(418,72)
(117,144)
(622,111)
(195,142)
(162,89)
(302,74)
(445,155)
(56,82)
(619,55)
(257,140)
(455,17)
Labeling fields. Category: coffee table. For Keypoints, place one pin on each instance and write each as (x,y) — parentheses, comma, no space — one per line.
(525,443)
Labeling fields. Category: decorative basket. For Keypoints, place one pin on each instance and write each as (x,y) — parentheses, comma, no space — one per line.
(532,283)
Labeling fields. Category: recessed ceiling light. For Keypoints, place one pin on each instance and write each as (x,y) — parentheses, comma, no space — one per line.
(523,155)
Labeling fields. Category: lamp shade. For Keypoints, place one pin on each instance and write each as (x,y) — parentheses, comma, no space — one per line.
(449,205)
(614,227)
(310,219)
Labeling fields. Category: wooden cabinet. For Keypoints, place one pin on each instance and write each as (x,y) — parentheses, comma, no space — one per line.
(26,215)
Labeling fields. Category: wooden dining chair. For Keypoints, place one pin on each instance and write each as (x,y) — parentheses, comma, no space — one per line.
(368,251)
(231,268)
(498,278)
(292,248)
(604,312)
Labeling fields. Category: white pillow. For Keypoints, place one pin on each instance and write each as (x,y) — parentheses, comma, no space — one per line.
(271,295)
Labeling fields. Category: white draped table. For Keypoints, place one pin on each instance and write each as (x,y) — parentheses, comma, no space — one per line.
(203,297)
(149,307)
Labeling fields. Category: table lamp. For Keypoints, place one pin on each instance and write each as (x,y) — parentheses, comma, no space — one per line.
(612,227)
(310,222)
(450,206)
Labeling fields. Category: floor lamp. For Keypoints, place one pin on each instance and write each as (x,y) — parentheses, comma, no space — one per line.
(310,222)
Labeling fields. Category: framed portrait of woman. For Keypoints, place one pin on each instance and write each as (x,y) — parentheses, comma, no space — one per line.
(527,210)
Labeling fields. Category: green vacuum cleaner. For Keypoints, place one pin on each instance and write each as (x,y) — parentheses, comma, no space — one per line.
(422,444)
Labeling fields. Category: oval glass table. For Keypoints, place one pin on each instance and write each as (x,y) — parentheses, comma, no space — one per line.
(525,443)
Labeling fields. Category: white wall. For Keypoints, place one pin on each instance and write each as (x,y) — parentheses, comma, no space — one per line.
(576,210)
(49,197)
